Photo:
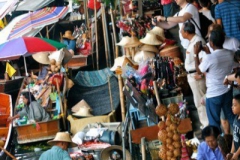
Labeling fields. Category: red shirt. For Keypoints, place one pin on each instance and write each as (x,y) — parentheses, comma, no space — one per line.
(164,2)
(91,4)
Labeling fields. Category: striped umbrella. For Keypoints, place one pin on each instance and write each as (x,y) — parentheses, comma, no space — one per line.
(37,19)
(6,6)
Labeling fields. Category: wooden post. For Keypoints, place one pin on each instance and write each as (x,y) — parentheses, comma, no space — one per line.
(157,95)
(114,34)
(96,35)
(122,103)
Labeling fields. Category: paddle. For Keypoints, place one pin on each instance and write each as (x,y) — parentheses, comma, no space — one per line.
(4,150)
(57,81)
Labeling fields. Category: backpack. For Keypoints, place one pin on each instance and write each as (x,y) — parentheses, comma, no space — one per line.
(204,24)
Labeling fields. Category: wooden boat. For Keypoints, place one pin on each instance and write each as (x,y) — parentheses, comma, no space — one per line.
(37,132)
(5,127)
(77,61)
(11,87)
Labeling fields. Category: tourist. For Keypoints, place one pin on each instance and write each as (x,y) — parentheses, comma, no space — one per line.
(196,82)
(216,65)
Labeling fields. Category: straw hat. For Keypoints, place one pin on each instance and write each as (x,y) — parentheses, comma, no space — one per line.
(122,61)
(150,39)
(80,104)
(68,35)
(134,42)
(158,31)
(143,56)
(124,41)
(113,150)
(41,57)
(83,112)
(57,55)
(62,137)
(149,48)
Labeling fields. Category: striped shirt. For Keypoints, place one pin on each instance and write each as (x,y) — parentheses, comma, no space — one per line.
(229,13)
(217,65)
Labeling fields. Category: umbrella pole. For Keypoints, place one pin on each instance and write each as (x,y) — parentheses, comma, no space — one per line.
(25,66)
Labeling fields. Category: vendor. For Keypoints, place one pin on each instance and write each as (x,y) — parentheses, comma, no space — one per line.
(70,41)
(59,150)
(33,110)
(42,74)
(209,150)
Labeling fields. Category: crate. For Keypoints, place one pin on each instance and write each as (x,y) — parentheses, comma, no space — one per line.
(175,99)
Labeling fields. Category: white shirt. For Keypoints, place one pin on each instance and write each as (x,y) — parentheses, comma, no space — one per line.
(217,65)
(191,9)
(229,43)
(190,61)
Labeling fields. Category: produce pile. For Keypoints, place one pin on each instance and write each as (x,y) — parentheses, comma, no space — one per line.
(168,132)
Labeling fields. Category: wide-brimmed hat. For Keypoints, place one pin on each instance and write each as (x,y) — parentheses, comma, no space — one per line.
(143,56)
(68,35)
(122,61)
(149,48)
(83,112)
(114,149)
(80,104)
(159,32)
(124,41)
(62,137)
(134,42)
(150,39)
(41,57)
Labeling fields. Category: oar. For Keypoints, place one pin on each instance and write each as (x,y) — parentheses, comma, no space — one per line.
(4,150)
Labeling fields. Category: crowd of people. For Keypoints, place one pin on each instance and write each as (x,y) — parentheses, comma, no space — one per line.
(212,68)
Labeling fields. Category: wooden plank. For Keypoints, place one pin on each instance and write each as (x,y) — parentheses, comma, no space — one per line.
(150,133)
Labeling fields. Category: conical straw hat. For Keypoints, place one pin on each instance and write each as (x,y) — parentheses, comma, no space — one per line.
(83,112)
(41,57)
(105,154)
(124,41)
(150,39)
(143,56)
(62,137)
(158,31)
(80,104)
(122,61)
(149,48)
(134,42)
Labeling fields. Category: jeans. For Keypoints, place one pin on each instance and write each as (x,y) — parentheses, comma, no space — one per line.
(214,106)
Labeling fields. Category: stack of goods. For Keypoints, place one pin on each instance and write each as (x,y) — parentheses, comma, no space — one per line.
(168,132)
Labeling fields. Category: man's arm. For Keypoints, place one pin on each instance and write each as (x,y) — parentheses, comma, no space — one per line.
(169,22)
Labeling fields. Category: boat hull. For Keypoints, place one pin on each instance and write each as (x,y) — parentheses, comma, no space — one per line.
(5,127)
(37,132)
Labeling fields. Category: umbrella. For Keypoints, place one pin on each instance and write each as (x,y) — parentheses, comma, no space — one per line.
(56,44)
(4,34)
(6,6)
(32,5)
(24,46)
(32,23)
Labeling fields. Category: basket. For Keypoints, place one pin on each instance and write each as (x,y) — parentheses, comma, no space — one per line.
(175,99)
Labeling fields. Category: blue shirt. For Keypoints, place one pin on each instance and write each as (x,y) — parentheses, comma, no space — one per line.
(55,153)
(229,13)
(206,153)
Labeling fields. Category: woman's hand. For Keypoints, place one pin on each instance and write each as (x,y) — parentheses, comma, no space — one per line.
(10,119)
(235,156)
(198,76)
